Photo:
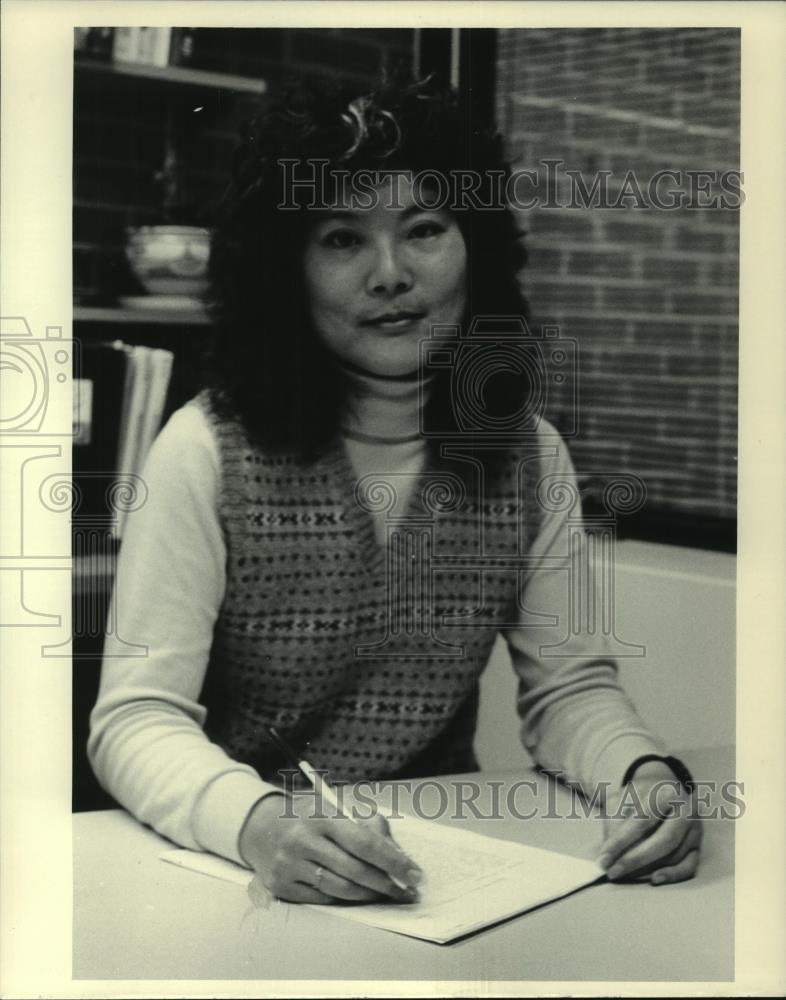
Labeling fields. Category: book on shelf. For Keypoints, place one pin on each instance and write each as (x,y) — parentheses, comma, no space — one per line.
(119,402)
(147,381)
(182,47)
(153,46)
(126,45)
(81,39)
(94,43)
(98,400)
(159,385)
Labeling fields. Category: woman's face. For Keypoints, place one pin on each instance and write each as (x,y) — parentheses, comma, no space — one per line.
(378,279)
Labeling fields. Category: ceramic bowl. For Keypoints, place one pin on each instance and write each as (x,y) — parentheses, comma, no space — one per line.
(170,260)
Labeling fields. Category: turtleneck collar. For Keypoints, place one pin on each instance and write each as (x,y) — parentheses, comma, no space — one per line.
(382,409)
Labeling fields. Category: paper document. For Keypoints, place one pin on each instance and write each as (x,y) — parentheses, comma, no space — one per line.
(471,880)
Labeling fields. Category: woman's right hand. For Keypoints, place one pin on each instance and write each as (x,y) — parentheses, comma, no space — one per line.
(305,858)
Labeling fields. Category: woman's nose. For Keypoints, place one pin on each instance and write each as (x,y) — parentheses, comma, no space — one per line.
(389,273)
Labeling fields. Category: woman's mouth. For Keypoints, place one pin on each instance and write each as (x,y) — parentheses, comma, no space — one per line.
(394,320)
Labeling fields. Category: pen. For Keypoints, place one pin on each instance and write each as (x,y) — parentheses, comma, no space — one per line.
(318,783)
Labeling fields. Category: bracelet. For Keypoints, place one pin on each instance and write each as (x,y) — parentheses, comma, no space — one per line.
(681,772)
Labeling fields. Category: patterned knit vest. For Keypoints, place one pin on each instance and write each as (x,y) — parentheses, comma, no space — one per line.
(365,657)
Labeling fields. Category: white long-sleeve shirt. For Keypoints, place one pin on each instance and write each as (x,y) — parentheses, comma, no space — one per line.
(147,745)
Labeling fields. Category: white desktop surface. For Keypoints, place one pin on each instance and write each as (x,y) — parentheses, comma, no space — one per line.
(137,918)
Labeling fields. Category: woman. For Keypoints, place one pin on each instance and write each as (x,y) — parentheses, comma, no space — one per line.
(318,550)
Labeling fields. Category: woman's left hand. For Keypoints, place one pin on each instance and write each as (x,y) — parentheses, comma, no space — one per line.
(652,830)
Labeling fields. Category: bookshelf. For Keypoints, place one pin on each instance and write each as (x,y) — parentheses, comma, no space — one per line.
(118,314)
(131,117)
(144,102)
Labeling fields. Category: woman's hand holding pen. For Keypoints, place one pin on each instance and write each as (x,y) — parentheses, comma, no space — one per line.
(306,857)
(658,837)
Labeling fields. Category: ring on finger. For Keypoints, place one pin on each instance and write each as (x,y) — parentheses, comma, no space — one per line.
(319,874)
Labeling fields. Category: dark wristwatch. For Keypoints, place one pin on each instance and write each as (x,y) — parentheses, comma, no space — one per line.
(681,773)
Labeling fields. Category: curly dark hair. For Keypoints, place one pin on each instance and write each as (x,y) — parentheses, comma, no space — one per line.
(269,367)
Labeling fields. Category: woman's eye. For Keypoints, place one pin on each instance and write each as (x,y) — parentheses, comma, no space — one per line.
(339,239)
(425,229)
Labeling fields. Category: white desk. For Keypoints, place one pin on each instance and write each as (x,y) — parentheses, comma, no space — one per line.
(136,917)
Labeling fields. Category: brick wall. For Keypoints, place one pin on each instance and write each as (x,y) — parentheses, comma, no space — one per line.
(649,295)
